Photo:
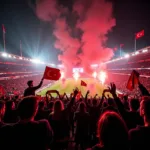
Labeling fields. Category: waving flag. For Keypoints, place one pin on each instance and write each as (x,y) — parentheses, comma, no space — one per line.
(139,34)
(51,73)
(121,45)
(133,80)
(83,83)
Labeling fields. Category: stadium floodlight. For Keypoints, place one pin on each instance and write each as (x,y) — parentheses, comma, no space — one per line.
(145,50)
(127,56)
(20,57)
(53,65)
(9,56)
(136,53)
(36,61)
(42,62)
(4,54)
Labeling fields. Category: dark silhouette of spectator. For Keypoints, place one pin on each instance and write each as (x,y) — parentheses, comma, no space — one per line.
(139,137)
(134,117)
(59,121)
(50,107)
(112,132)
(82,120)
(2,112)
(42,113)
(30,134)
(31,89)
(10,115)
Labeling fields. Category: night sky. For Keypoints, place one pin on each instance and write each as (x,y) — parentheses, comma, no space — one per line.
(22,24)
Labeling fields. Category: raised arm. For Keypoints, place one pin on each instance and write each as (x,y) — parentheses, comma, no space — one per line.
(37,87)
(72,100)
(117,101)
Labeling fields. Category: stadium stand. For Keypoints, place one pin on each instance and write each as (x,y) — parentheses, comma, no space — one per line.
(74,121)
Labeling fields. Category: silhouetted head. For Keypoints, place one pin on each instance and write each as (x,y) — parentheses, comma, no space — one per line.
(112,131)
(30,83)
(10,105)
(110,102)
(51,105)
(58,106)
(82,107)
(41,105)
(94,102)
(27,108)
(134,104)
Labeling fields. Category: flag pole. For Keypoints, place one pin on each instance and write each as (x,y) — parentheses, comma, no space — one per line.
(20,48)
(4,41)
(135,44)
(120,50)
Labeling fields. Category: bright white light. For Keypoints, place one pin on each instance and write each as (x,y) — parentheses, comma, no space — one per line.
(133,54)
(145,50)
(14,57)
(62,75)
(60,66)
(76,76)
(36,61)
(9,56)
(102,76)
(94,74)
(20,57)
(53,65)
(127,56)
(94,65)
(136,53)
(4,54)
(43,63)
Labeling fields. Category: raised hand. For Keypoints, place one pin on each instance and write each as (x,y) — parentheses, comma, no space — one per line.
(112,88)
(88,92)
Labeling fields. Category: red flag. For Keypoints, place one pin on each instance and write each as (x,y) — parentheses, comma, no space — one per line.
(139,34)
(121,45)
(51,73)
(133,80)
(3,28)
(83,83)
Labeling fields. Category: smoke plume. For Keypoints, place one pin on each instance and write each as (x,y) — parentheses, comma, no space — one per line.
(93,19)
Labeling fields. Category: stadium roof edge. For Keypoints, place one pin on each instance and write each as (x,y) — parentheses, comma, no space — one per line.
(141,51)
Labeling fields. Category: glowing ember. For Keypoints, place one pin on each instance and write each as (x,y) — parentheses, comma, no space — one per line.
(76,75)
(94,75)
(102,76)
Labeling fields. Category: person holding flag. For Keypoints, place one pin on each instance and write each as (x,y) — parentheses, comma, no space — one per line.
(49,74)
(31,89)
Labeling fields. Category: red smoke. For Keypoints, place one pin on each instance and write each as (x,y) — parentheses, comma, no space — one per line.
(66,43)
(94,20)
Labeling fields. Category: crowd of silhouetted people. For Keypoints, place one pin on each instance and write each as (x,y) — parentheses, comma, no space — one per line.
(75,122)
(17,86)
